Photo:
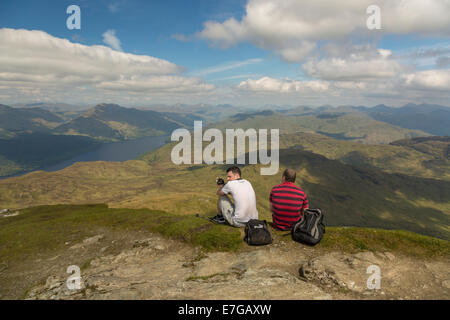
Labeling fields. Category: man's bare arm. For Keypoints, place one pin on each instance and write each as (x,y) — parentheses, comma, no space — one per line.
(220,192)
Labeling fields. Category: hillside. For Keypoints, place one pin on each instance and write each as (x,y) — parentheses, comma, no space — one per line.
(52,106)
(14,121)
(112,123)
(437,147)
(421,157)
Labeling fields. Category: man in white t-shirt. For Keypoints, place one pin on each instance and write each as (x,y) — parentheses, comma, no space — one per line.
(244,207)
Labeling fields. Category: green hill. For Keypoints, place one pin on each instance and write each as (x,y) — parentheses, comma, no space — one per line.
(421,157)
(112,122)
(14,121)
(437,147)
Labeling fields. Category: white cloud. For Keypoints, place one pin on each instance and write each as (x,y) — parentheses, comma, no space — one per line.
(268,84)
(37,65)
(428,80)
(360,65)
(110,38)
(424,17)
(164,83)
(431,86)
(297,53)
(224,34)
(291,28)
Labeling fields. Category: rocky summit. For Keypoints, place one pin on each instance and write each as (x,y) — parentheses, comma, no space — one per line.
(159,268)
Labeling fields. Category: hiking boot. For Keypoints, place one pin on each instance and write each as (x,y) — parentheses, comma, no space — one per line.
(218,219)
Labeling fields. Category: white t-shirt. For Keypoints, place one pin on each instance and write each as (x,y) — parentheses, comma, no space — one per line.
(244,199)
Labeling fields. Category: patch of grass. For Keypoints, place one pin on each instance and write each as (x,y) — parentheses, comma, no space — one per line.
(46,228)
(352,239)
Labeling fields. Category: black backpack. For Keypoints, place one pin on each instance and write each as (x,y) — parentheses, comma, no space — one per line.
(310,228)
(257,233)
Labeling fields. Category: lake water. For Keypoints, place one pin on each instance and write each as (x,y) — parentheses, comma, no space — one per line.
(114,151)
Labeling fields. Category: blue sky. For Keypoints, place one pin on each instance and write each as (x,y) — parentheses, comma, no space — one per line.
(249,52)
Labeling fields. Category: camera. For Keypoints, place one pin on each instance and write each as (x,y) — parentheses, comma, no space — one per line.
(220,182)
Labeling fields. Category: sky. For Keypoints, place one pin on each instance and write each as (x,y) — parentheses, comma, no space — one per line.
(249,53)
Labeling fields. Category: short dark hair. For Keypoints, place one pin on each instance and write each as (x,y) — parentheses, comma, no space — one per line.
(235,170)
(289,175)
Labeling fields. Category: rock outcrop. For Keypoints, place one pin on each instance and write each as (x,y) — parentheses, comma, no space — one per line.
(157,268)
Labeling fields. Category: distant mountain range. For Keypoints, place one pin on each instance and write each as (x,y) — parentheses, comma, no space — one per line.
(433,119)
(430,118)
(336,123)
(106,122)
(379,124)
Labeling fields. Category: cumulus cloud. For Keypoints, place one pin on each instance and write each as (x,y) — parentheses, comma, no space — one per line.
(297,53)
(360,65)
(34,62)
(292,28)
(110,39)
(429,80)
(167,83)
(268,84)
(430,85)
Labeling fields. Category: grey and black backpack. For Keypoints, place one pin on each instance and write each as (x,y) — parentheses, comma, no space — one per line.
(310,228)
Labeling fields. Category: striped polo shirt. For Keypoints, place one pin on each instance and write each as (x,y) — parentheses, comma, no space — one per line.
(287,201)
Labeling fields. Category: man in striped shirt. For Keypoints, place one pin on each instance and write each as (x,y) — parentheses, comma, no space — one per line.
(287,202)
